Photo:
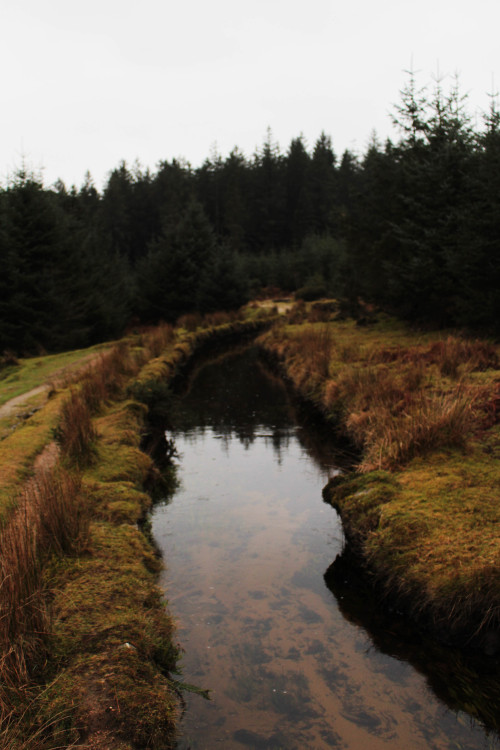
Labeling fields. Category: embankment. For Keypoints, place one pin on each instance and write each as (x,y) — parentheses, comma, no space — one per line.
(99,667)
(421,512)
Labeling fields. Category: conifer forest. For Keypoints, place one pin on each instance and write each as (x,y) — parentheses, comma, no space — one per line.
(410,225)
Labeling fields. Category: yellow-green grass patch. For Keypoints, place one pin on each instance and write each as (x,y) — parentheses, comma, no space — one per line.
(34,371)
(19,450)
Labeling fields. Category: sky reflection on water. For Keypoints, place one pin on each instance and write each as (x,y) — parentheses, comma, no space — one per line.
(247,540)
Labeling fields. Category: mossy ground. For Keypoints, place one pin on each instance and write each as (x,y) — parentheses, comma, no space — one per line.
(19,450)
(31,372)
(110,643)
(422,408)
(111,640)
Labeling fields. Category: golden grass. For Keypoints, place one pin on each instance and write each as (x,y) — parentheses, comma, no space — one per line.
(426,409)
(396,394)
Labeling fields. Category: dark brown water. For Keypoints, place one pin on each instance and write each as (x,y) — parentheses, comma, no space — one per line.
(291,662)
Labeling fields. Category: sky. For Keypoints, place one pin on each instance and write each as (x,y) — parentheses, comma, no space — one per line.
(86,85)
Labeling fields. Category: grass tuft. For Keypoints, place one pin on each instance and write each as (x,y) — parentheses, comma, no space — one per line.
(75,433)
(50,520)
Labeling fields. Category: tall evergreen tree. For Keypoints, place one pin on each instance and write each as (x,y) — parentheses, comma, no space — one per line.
(170,277)
(433,202)
(324,187)
(298,199)
(48,284)
(267,197)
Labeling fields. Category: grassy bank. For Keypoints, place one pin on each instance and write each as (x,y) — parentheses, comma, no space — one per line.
(88,650)
(422,411)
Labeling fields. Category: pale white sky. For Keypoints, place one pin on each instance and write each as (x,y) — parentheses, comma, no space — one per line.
(87,84)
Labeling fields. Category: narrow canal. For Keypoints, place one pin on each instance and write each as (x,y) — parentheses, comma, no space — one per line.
(291,662)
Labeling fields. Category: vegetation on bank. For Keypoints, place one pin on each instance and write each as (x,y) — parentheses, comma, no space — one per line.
(88,650)
(422,412)
(87,647)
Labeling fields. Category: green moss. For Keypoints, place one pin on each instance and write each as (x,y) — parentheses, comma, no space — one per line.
(359,499)
(117,502)
(19,450)
(112,648)
(120,463)
(120,696)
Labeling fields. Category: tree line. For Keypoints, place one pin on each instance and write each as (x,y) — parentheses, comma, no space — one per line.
(411,225)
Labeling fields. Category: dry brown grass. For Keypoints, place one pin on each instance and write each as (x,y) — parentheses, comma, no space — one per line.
(394,416)
(422,510)
(429,422)
(104,381)
(190,322)
(219,318)
(395,401)
(316,344)
(156,339)
(76,433)
(50,520)
(451,355)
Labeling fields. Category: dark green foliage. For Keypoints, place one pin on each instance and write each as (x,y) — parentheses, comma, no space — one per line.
(421,217)
(412,226)
(43,298)
(60,285)
(170,275)
(314,288)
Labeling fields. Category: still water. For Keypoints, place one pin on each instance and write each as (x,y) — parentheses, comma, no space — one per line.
(291,662)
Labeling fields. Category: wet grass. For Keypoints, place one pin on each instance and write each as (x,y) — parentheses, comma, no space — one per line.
(423,410)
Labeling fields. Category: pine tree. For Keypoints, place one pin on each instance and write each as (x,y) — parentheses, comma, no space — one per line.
(324,187)
(298,200)
(433,202)
(170,277)
(267,197)
(48,301)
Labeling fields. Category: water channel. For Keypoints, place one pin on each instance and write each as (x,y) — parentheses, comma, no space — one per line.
(295,654)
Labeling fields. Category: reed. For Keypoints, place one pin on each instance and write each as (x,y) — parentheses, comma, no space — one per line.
(429,423)
(75,432)
(190,322)
(50,520)
(156,339)
(453,353)
(316,345)
(219,318)
(104,381)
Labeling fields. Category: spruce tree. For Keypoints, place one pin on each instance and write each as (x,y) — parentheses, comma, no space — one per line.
(169,281)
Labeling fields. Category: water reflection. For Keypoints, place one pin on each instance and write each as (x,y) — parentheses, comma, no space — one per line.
(467,682)
(237,396)
(247,540)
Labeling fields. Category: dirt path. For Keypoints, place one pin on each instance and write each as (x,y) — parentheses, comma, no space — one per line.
(14,405)
(10,407)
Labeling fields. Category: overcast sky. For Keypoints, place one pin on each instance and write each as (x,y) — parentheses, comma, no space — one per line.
(88,84)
